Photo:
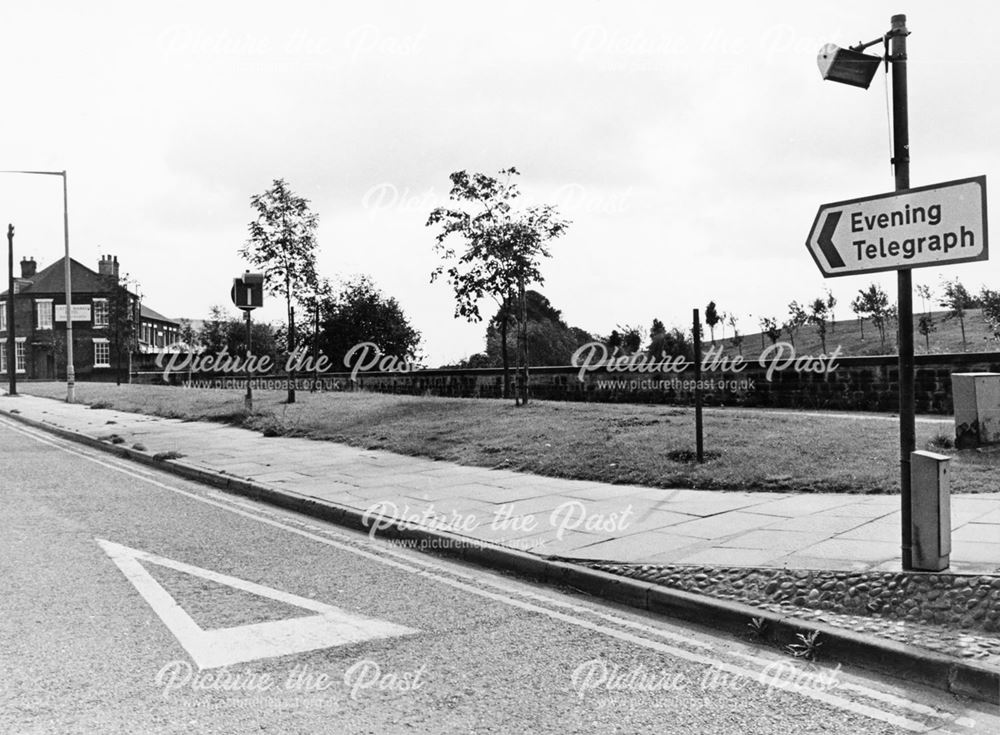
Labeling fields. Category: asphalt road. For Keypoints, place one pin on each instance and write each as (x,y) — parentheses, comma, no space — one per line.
(136,602)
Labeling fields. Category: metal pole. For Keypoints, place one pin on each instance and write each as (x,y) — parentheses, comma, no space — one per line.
(11,342)
(901,162)
(699,436)
(70,370)
(248,401)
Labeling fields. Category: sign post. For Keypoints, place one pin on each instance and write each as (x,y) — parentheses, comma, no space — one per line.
(910,228)
(248,294)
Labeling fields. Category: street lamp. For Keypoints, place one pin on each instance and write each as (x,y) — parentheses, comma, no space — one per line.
(857,69)
(70,370)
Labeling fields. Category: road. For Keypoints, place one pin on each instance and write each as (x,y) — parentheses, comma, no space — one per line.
(136,602)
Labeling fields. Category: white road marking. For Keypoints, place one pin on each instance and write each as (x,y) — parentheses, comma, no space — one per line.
(210,649)
(832,700)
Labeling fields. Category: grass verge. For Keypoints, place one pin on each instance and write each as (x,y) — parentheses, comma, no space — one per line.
(614,443)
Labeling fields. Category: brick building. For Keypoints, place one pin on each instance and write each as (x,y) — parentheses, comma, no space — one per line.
(40,322)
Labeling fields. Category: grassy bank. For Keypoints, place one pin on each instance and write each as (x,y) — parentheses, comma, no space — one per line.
(645,445)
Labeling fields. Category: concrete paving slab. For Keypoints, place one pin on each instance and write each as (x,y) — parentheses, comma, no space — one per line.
(728,557)
(722,525)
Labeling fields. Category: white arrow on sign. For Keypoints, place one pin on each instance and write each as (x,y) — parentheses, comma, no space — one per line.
(930,225)
(329,626)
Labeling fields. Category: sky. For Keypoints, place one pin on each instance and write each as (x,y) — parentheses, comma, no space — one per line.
(689,144)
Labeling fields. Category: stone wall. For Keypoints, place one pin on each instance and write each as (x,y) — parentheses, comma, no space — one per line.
(856,384)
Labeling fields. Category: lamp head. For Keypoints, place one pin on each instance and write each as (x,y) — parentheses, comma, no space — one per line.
(846,66)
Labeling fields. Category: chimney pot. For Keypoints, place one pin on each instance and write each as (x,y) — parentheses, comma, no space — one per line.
(28,267)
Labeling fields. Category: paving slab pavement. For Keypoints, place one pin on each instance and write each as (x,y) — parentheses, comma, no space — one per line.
(551,516)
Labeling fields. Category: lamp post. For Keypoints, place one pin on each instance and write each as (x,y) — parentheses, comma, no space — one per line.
(11,345)
(850,66)
(70,370)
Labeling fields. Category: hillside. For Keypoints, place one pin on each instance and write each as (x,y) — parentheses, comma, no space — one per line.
(847,333)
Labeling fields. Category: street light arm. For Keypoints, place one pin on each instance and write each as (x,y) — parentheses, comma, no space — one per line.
(862,46)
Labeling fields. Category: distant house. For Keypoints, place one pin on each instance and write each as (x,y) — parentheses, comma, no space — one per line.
(99,349)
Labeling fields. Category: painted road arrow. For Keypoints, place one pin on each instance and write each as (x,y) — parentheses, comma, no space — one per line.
(930,225)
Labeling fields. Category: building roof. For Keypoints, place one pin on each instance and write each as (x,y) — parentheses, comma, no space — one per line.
(148,313)
(53,279)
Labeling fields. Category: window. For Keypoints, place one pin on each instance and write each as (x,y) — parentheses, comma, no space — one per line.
(101,312)
(3,316)
(19,355)
(43,314)
(102,353)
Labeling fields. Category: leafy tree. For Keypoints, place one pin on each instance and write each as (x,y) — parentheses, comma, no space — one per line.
(502,254)
(831,303)
(550,340)
(712,318)
(990,302)
(797,317)
(123,320)
(925,325)
(737,338)
(613,341)
(770,328)
(360,313)
(860,311)
(187,334)
(224,331)
(282,243)
(817,316)
(957,300)
(873,303)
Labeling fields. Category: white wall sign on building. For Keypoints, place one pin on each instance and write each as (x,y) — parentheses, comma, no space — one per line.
(81,312)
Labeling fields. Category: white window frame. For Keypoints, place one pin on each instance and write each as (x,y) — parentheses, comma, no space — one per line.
(107,346)
(43,307)
(106,321)
(3,316)
(20,355)
(3,358)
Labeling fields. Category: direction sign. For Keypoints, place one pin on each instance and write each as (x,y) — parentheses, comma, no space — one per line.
(247,292)
(930,225)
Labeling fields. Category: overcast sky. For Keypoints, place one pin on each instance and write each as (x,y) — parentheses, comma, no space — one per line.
(689,143)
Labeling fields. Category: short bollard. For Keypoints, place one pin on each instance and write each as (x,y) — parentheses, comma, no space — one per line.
(930,511)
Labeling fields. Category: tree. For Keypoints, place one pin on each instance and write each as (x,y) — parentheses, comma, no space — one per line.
(859,308)
(797,317)
(665,342)
(874,304)
(502,254)
(831,303)
(550,340)
(631,338)
(769,327)
(925,324)
(224,332)
(990,302)
(123,320)
(282,243)
(187,335)
(361,313)
(737,339)
(711,319)
(817,317)
(957,299)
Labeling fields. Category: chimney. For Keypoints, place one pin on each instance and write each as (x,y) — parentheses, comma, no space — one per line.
(28,268)
(108,266)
